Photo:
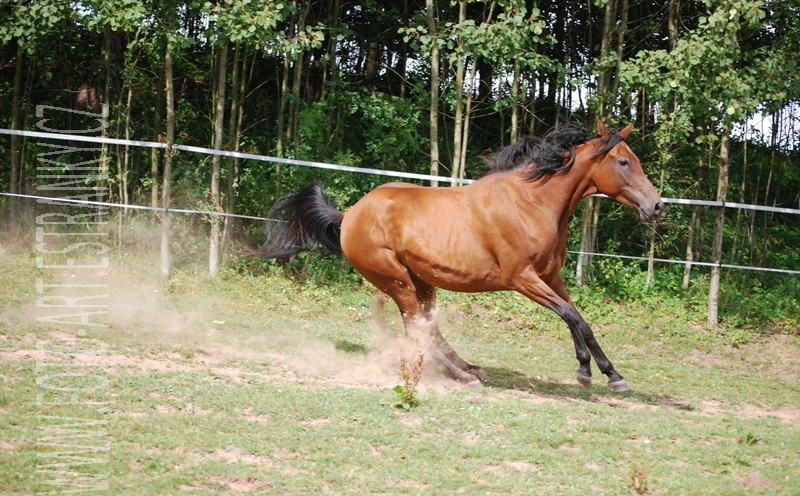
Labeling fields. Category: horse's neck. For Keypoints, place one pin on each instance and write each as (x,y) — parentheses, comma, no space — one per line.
(565,190)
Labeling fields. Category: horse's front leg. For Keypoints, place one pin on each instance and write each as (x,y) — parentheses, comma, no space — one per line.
(553,295)
(615,380)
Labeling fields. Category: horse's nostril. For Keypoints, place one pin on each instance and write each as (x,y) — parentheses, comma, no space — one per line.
(658,209)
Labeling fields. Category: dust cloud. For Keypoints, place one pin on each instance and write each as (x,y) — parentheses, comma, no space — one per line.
(180,320)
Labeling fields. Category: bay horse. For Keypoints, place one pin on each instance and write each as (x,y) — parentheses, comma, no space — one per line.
(505,231)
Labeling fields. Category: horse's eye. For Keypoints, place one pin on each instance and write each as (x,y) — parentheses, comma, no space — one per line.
(623,162)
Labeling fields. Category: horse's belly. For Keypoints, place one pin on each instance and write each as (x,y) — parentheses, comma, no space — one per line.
(458,267)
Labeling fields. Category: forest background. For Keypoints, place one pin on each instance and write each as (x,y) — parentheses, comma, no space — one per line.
(428,87)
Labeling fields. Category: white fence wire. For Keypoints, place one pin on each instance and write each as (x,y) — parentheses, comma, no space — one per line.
(360,170)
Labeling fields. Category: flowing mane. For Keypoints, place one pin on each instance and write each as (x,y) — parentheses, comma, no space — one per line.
(553,152)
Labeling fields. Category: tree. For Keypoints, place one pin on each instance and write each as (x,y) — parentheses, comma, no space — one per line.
(711,77)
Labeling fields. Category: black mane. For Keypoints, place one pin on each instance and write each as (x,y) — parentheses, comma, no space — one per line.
(554,152)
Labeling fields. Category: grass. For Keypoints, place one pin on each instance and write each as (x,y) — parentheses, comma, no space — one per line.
(266,384)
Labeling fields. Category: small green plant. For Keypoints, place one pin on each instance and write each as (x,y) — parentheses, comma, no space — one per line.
(410,372)
(749,439)
(638,479)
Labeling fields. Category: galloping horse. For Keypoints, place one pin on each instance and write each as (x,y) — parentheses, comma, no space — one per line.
(506,231)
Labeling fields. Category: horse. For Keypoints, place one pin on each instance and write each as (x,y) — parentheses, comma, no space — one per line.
(505,231)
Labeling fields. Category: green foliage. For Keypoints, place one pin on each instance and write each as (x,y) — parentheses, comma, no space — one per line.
(310,268)
(410,373)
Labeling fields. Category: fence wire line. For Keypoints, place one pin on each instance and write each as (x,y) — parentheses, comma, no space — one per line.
(49,199)
(56,200)
(225,153)
(346,168)
(686,262)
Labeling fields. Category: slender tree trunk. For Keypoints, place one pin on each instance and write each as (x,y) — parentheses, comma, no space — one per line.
(458,127)
(434,109)
(104,154)
(371,66)
(742,189)
(334,16)
(586,241)
(515,104)
(14,155)
(690,255)
(588,222)
(284,88)
(215,256)
(467,113)
(238,86)
(623,28)
(403,62)
(673,9)
(282,110)
(294,104)
(126,159)
(167,173)
(652,250)
(773,142)
(719,225)
(156,137)
(473,72)
(605,43)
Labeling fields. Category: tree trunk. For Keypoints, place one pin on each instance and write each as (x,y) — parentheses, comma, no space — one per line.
(586,241)
(690,251)
(238,86)
(167,173)
(467,113)
(588,223)
(294,104)
(156,137)
(673,9)
(284,88)
(14,155)
(719,225)
(742,190)
(126,158)
(652,250)
(104,155)
(623,28)
(371,69)
(773,142)
(515,104)
(215,256)
(458,127)
(402,62)
(334,15)
(434,109)
(605,43)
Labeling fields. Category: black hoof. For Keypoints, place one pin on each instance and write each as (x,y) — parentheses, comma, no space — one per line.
(619,386)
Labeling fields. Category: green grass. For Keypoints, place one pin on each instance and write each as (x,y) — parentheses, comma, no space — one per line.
(273,385)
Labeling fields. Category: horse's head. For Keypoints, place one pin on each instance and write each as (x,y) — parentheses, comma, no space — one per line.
(619,174)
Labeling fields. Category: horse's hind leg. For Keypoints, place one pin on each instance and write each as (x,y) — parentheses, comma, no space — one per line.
(427,293)
(417,303)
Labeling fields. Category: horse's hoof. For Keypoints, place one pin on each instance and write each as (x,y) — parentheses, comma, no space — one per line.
(476,384)
(584,380)
(477,372)
(619,386)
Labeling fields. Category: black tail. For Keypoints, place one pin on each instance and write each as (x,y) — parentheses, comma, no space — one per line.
(300,222)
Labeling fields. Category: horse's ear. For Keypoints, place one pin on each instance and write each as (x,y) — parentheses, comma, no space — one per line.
(602,130)
(626,131)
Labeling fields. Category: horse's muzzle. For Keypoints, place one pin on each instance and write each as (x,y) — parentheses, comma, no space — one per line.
(653,212)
